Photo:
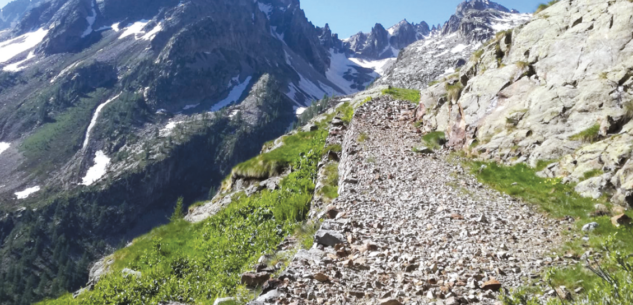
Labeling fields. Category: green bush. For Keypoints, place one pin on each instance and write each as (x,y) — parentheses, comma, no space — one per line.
(410,95)
(273,162)
(434,140)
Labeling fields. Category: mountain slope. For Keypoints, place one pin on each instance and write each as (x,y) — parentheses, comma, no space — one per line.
(448,48)
(105,119)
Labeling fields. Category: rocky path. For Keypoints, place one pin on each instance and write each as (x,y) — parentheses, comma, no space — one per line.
(410,228)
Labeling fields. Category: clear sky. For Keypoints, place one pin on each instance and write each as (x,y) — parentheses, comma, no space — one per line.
(348,17)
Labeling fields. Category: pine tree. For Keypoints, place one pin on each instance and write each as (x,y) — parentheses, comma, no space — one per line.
(178,213)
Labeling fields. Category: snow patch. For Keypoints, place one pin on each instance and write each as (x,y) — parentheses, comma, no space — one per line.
(135,29)
(27,192)
(187,107)
(379,66)
(265,8)
(509,21)
(166,131)
(339,66)
(95,117)
(151,34)
(233,96)
(90,20)
(12,48)
(459,48)
(347,99)
(18,66)
(4,146)
(65,71)
(98,170)
(300,110)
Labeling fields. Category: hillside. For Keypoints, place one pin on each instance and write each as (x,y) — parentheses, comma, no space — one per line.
(183,152)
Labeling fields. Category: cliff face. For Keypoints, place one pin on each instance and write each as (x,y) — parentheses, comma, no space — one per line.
(557,89)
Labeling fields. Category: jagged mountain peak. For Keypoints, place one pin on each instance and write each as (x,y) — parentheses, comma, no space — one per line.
(479,5)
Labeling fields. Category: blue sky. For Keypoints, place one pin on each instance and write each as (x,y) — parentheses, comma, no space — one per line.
(348,17)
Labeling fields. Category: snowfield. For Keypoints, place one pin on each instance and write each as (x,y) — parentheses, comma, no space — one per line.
(27,192)
(4,146)
(19,66)
(98,170)
(14,47)
(234,95)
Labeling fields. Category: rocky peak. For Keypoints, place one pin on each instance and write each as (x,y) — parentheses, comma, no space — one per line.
(479,5)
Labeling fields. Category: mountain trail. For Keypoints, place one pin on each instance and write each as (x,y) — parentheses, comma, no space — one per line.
(413,228)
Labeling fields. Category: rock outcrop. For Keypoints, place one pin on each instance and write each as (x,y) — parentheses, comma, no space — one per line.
(556,89)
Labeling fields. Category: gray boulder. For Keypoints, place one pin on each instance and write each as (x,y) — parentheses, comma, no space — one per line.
(329,238)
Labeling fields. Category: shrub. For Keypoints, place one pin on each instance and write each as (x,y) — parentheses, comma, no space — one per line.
(589,135)
(434,140)
(544,6)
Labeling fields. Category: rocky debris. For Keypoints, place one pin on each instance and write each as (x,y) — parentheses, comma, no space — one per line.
(590,227)
(492,284)
(422,150)
(252,279)
(621,220)
(414,228)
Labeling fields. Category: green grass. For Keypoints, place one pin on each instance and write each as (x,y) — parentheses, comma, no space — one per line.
(560,200)
(592,173)
(197,263)
(434,140)
(410,95)
(305,234)
(337,148)
(276,161)
(56,141)
(589,135)
(347,112)
(435,82)
(330,183)
(477,55)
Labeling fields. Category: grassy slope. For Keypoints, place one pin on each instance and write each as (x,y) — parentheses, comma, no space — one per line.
(197,263)
(404,94)
(560,200)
